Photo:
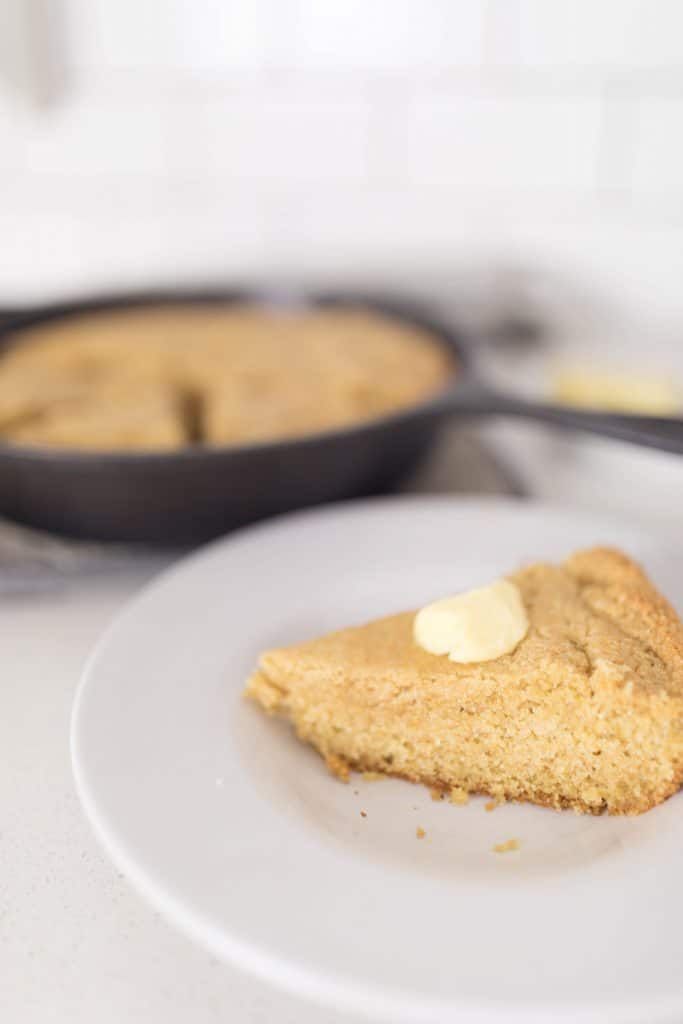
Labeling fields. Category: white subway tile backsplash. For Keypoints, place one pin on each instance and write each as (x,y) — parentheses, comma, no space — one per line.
(188,35)
(620,260)
(243,137)
(422,35)
(602,33)
(658,148)
(193,241)
(12,140)
(84,236)
(44,255)
(502,143)
(400,226)
(289,141)
(97,235)
(93,135)
(502,32)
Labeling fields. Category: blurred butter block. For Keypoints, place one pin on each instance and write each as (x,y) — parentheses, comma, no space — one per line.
(630,392)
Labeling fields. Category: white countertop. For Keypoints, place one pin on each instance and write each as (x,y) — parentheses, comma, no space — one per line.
(77,945)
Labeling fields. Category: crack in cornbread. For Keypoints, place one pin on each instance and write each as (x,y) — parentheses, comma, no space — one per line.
(586,712)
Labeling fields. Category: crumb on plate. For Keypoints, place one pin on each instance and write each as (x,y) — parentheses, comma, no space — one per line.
(459,796)
(507,847)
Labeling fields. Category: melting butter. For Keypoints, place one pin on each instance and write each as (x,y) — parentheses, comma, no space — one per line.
(477,625)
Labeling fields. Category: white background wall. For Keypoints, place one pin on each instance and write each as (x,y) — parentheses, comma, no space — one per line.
(234,137)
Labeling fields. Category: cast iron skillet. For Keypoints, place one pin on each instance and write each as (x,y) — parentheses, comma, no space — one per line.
(197,492)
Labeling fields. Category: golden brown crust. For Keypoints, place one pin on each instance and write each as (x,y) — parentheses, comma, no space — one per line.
(586,713)
(615,586)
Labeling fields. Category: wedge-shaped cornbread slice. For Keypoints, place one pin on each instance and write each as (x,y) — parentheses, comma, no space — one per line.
(145,417)
(587,711)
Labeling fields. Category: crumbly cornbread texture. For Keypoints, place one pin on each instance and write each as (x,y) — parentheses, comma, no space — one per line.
(165,377)
(586,713)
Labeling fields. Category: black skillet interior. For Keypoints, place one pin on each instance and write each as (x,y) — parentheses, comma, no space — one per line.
(199,492)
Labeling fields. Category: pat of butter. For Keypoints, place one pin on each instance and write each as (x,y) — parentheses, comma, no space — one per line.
(478,625)
(640,392)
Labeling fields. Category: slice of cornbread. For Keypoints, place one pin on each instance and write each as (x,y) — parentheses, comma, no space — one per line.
(587,711)
(140,417)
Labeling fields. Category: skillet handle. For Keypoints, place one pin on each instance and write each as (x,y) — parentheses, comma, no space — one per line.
(664,433)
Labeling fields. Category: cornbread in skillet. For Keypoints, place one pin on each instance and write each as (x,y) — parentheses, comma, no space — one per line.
(227,375)
(586,712)
(137,417)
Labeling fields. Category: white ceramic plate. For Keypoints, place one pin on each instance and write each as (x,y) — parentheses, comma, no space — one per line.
(237,833)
